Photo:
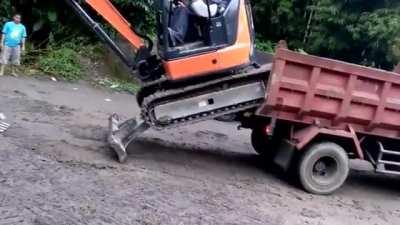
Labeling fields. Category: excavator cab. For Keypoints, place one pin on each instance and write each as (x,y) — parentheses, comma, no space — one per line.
(217,36)
(206,27)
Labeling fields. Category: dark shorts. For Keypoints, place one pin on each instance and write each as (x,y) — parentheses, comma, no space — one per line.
(11,55)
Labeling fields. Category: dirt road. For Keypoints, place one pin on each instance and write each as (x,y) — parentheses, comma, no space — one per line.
(55,169)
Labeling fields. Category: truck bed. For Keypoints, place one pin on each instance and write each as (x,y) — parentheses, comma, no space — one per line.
(307,89)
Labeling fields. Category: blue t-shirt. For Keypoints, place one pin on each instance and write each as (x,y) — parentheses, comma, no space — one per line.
(14,33)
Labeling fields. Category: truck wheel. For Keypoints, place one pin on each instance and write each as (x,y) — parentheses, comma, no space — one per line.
(323,168)
(260,142)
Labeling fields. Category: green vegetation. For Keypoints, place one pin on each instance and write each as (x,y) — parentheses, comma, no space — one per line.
(119,84)
(364,32)
(265,45)
(63,62)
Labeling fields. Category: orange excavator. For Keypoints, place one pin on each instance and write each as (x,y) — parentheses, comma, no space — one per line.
(211,71)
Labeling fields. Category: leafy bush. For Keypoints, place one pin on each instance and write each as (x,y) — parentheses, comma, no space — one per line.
(265,45)
(5,7)
(140,13)
(365,32)
(83,46)
(62,62)
(62,58)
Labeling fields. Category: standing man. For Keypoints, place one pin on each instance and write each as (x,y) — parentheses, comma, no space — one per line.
(12,44)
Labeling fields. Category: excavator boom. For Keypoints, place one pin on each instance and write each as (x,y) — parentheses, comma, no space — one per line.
(107,10)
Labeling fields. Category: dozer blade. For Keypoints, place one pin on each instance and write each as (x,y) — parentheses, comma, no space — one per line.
(123,133)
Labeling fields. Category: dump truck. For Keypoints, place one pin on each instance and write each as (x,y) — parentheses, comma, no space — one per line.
(307,113)
(318,113)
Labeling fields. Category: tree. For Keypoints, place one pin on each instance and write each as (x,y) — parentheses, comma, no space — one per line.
(364,32)
(358,31)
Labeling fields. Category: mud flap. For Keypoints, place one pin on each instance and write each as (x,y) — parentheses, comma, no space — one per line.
(122,134)
(284,156)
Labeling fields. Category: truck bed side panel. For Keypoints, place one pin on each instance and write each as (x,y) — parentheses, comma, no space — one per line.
(308,89)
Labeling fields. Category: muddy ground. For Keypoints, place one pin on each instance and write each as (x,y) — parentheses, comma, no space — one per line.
(55,168)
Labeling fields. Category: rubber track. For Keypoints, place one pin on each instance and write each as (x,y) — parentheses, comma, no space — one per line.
(162,97)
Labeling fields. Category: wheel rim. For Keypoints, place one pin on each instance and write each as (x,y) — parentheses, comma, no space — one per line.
(325,170)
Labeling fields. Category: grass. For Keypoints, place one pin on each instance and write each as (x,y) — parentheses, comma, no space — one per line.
(62,59)
(119,84)
(62,62)
(265,46)
(70,61)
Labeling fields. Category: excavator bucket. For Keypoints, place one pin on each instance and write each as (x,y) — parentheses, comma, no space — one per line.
(121,134)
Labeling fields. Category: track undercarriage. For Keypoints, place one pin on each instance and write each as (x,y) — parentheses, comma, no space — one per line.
(171,106)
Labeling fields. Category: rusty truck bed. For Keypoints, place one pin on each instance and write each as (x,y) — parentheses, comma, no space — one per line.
(334,94)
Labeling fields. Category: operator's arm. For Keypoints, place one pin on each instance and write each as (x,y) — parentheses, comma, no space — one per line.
(3,37)
(23,44)
(23,40)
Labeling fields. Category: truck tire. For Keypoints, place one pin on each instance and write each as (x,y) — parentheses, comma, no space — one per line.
(323,168)
(260,142)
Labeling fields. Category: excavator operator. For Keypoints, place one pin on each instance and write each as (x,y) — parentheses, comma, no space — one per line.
(182,9)
(178,22)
